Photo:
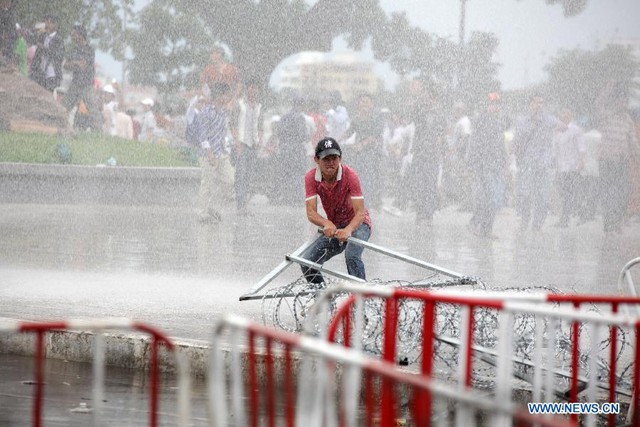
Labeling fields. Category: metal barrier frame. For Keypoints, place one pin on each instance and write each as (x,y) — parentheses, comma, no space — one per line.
(102,325)
(316,406)
(295,257)
(506,303)
(625,276)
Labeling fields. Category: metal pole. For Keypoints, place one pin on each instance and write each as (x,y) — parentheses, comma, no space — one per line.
(406,258)
(274,273)
(322,269)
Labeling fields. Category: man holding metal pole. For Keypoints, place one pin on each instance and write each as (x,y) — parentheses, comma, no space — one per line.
(338,187)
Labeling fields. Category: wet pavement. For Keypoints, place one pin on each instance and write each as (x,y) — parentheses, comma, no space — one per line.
(68,395)
(162,266)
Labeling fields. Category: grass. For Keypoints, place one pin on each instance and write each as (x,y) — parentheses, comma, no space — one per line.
(90,149)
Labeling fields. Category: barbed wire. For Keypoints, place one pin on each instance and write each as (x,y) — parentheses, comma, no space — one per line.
(288,308)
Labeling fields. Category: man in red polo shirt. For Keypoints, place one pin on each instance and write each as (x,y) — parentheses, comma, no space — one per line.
(339,190)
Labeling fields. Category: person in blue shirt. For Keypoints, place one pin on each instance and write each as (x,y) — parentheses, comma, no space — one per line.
(216,184)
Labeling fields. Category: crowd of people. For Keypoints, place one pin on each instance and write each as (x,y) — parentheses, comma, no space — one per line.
(419,158)
(42,55)
(422,159)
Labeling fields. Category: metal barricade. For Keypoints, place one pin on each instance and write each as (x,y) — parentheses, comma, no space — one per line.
(296,257)
(99,327)
(262,387)
(625,278)
(483,343)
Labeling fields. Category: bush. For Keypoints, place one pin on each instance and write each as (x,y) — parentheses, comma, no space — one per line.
(89,149)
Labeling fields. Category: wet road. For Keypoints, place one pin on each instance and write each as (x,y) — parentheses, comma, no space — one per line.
(161,266)
(68,386)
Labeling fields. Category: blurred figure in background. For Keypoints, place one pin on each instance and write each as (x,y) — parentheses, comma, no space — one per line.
(589,193)
(457,177)
(567,145)
(365,154)
(293,136)
(426,151)
(8,33)
(21,51)
(81,62)
(52,51)
(533,148)
(219,70)
(395,138)
(488,154)
(618,145)
(337,117)
(124,125)
(109,109)
(148,121)
(216,183)
(247,135)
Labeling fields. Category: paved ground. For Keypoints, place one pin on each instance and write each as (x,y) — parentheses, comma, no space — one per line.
(69,385)
(160,265)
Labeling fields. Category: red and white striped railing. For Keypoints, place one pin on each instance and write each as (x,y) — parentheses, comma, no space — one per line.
(329,386)
(348,320)
(99,326)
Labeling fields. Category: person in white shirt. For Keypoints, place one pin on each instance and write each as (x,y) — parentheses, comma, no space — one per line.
(338,121)
(567,144)
(109,110)
(247,133)
(148,122)
(124,125)
(589,194)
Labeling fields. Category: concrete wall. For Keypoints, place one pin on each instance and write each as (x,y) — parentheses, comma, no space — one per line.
(117,185)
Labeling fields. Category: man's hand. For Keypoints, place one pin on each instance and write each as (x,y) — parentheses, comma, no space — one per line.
(330,230)
(342,234)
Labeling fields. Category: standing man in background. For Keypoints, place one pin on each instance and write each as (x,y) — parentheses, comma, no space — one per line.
(216,183)
(366,151)
(247,132)
(81,62)
(52,55)
(533,147)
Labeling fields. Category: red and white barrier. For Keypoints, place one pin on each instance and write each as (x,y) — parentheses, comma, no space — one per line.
(99,326)
(348,319)
(329,385)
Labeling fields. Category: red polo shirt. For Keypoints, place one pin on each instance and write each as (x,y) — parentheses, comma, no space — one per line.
(336,201)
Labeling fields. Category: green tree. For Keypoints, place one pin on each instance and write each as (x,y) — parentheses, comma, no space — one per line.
(570,7)
(576,77)
(103,19)
(176,37)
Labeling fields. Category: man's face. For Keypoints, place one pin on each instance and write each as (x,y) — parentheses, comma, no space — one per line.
(253,93)
(77,38)
(216,56)
(365,105)
(51,25)
(566,116)
(329,165)
(536,105)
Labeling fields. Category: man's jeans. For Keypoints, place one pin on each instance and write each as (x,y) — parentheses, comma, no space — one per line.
(325,248)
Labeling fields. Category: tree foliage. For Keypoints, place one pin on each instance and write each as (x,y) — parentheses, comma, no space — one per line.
(570,7)
(176,36)
(576,77)
(103,19)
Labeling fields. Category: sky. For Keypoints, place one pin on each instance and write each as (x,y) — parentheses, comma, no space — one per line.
(530,31)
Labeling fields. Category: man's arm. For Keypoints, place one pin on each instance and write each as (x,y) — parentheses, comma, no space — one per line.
(329,228)
(344,233)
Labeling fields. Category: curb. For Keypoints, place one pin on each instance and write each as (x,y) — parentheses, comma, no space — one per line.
(124,350)
(111,185)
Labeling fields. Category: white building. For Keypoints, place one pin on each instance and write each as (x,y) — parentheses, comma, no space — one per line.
(317,72)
